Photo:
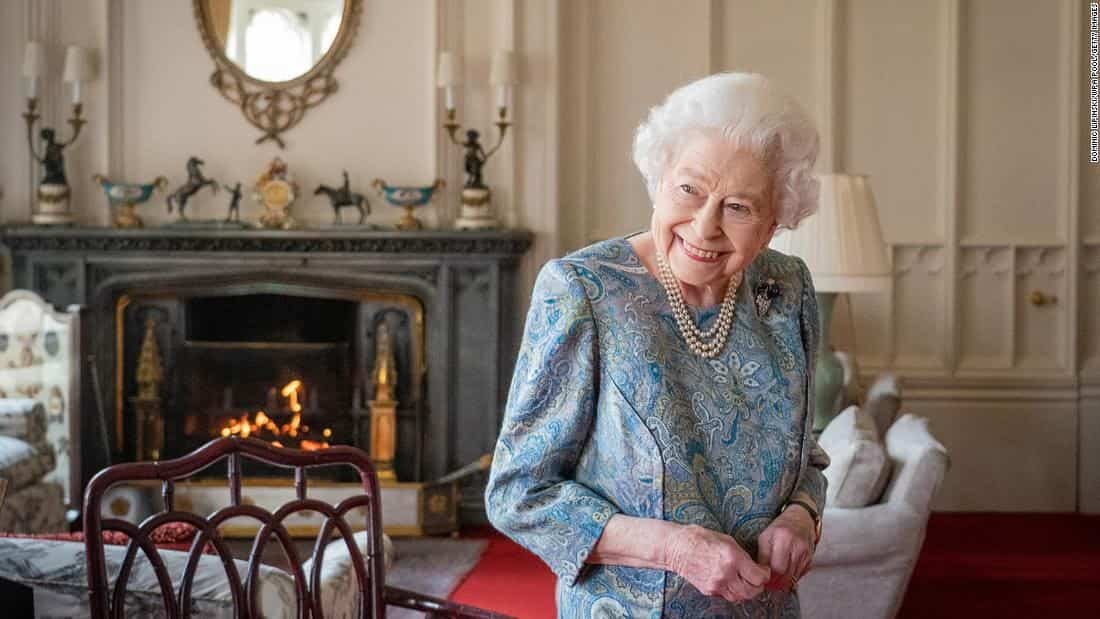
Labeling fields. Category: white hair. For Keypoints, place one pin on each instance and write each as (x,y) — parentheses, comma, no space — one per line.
(745,108)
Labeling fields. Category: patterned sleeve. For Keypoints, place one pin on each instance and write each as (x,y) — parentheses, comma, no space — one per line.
(531,496)
(812,483)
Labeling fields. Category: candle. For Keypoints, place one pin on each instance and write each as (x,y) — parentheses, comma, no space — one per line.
(504,96)
(449,97)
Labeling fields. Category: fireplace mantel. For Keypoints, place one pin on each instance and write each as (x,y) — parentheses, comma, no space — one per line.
(466,282)
(488,243)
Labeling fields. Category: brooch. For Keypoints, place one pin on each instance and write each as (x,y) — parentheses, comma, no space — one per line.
(763,294)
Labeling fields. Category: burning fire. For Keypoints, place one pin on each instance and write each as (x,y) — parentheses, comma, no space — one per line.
(261,423)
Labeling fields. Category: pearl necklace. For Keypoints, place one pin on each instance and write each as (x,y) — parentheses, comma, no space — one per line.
(709,343)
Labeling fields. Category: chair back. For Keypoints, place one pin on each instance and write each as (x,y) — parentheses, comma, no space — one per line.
(40,352)
(107,601)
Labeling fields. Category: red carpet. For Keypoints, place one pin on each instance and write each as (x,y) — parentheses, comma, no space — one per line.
(510,580)
(972,565)
(1007,565)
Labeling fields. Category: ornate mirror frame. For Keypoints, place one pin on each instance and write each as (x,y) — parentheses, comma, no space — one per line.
(275,107)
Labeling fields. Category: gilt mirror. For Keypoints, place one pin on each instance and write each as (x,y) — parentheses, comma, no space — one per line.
(275,58)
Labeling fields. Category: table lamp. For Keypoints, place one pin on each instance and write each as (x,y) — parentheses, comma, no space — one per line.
(843,248)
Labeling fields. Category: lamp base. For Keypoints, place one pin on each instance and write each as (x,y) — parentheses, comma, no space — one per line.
(477,211)
(829,373)
(52,208)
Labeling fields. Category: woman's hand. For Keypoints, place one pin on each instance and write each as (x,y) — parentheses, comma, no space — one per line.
(787,547)
(715,564)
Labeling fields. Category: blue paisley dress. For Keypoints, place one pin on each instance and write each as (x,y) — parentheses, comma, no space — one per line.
(610,412)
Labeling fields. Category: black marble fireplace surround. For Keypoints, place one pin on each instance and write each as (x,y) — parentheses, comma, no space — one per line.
(220,287)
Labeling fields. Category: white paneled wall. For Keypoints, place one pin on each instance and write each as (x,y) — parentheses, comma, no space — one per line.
(967,116)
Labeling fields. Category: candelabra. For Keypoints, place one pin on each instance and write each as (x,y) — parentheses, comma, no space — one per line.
(477,210)
(52,204)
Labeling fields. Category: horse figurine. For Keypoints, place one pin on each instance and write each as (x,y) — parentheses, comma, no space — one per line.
(195,182)
(344,196)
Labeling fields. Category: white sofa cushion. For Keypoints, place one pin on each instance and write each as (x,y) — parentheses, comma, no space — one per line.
(859,467)
(22,464)
(13,451)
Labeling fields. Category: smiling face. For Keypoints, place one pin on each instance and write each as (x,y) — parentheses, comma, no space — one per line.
(713,211)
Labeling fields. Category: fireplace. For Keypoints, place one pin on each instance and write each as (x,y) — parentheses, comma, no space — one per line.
(236,317)
(296,366)
(281,368)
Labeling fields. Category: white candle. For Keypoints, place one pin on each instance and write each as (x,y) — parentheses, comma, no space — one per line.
(76,91)
(32,87)
(449,96)
(504,96)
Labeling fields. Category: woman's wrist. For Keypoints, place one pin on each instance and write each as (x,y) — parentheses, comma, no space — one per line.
(808,516)
(637,542)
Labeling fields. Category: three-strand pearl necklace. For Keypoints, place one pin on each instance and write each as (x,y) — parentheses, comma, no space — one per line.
(710,342)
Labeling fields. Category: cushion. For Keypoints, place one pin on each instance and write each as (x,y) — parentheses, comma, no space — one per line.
(38,508)
(168,536)
(859,467)
(884,401)
(23,418)
(56,571)
(338,587)
(22,464)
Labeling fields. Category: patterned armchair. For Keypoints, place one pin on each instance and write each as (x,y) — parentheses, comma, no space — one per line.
(39,413)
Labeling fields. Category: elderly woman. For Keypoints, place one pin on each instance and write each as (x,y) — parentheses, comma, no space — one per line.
(656,449)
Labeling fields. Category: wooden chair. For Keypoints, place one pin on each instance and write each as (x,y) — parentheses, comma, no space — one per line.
(107,601)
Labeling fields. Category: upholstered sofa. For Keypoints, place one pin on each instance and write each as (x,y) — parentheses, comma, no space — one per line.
(867,552)
(40,392)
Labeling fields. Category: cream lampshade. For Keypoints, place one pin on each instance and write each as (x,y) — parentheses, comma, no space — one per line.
(843,248)
(449,75)
(502,75)
(34,66)
(841,243)
(78,69)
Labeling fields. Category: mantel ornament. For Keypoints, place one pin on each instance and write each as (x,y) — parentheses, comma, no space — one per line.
(196,180)
(477,212)
(52,206)
(124,198)
(408,198)
(276,190)
(274,62)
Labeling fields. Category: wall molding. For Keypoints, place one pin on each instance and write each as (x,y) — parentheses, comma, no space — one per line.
(950,62)
(985,387)
(828,28)
(1072,139)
